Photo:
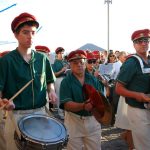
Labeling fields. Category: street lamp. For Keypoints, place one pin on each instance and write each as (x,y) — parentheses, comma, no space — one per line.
(108,2)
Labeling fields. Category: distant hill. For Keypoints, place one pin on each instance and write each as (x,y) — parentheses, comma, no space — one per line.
(91,47)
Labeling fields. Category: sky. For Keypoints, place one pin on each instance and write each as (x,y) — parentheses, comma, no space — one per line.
(73,23)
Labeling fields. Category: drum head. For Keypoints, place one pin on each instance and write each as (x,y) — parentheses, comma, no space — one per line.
(42,128)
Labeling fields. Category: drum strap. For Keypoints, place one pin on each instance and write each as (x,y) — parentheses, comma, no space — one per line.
(11,116)
(144,70)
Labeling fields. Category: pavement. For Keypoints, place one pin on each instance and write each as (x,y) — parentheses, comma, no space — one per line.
(111,139)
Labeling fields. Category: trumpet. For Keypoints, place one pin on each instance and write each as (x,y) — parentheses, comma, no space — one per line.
(110,82)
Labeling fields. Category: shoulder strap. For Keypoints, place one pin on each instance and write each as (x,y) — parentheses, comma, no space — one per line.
(144,70)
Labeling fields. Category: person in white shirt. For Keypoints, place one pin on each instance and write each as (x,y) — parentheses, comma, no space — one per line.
(121,58)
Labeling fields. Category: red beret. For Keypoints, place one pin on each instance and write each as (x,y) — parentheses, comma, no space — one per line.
(42,49)
(4,53)
(77,54)
(59,49)
(96,54)
(90,55)
(145,33)
(22,18)
(88,51)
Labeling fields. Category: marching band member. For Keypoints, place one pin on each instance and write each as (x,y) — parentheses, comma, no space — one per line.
(83,128)
(133,82)
(19,67)
(90,63)
(59,68)
(90,68)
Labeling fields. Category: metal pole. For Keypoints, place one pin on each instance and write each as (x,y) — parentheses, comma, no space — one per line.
(108,2)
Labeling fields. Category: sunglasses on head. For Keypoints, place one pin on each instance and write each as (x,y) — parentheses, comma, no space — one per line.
(143,40)
(90,61)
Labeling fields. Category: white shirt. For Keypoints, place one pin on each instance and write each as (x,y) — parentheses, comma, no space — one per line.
(107,69)
(117,66)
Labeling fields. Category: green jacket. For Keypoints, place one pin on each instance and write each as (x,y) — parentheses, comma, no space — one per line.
(15,72)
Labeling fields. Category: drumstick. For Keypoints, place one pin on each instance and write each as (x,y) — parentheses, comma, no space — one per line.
(13,97)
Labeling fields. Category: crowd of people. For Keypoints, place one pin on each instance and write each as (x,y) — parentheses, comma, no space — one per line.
(122,78)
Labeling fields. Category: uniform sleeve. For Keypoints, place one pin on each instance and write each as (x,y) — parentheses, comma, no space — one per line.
(127,71)
(65,93)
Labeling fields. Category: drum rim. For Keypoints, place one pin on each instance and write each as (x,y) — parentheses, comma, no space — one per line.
(36,140)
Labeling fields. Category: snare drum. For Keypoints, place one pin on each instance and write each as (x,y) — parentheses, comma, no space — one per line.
(40,132)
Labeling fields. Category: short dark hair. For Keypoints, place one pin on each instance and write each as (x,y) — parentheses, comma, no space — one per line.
(29,23)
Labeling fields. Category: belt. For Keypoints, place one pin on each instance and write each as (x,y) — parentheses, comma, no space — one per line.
(80,117)
(85,117)
(28,111)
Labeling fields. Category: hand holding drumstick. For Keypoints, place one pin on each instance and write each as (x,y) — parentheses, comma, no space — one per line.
(8,104)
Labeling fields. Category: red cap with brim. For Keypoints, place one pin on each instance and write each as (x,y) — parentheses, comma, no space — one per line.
(96,54)
(145,33)
(22,18)
(77,54)
(59,49)
(90,56)
(41,48)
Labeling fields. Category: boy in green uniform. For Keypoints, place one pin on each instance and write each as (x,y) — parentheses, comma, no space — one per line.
(133,82)
(83,129)
(59,68)
(19,67)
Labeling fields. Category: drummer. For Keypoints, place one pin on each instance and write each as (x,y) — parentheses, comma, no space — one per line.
(19,67)
(83,129)
(59,68)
